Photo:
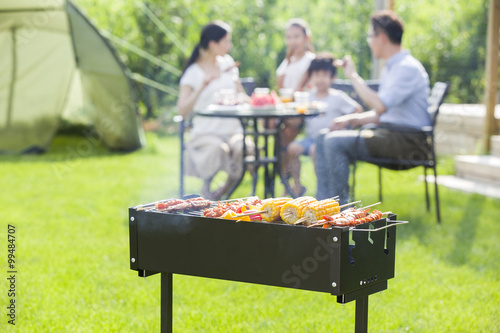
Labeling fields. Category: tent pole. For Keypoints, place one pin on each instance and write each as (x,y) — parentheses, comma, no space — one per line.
(12,78)
(491,74)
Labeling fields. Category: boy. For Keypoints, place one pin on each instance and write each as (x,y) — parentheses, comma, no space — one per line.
(322,74)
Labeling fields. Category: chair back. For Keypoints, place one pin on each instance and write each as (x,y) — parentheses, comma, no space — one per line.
(248,84)
(346,86)
(436,98)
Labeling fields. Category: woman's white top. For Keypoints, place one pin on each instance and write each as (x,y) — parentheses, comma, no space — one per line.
(193,77)
(294,71)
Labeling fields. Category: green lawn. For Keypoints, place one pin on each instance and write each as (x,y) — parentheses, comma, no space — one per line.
(70,211)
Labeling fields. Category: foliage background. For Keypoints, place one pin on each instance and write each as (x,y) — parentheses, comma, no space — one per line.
(448,37)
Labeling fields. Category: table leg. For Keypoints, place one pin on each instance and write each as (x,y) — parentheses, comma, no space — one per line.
(278,168)
(244,154)
(361,321)
(268,176)
(166,302)
(255,169)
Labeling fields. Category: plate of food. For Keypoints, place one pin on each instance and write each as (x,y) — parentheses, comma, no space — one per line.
(225,108)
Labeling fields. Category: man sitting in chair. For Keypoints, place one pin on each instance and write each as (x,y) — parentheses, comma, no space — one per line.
(400,101)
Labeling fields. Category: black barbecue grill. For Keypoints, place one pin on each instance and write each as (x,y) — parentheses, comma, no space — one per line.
(348,262)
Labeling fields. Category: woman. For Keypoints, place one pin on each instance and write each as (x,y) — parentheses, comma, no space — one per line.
(215,143)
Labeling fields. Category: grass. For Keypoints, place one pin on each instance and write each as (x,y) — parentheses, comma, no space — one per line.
(69,208)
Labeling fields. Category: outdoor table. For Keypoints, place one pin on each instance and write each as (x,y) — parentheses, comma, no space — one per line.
(264,156)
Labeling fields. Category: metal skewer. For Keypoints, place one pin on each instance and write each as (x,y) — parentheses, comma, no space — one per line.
(350,204)
(257,212)
(378,203)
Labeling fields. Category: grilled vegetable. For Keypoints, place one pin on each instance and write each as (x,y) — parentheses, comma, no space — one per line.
(271,208)
(294,210)
(315,211)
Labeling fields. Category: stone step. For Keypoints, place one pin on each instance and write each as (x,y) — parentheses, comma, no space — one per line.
(460,128)
(495,145)
(467,185)
(484,168)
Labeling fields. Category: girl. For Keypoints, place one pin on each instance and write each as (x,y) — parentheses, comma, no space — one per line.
(215,143)
(292,74)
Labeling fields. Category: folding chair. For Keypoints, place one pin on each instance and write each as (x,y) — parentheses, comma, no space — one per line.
(184,124)
(438,93)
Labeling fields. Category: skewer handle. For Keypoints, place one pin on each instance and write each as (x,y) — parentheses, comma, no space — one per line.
(350,204)
(317,223)
(378,203)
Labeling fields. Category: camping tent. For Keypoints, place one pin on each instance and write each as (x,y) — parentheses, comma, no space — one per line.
(54,64)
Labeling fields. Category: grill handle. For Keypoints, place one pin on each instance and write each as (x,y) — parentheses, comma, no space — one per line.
(393,223)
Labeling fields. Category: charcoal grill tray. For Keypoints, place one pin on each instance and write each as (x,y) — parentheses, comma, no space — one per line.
(264,253)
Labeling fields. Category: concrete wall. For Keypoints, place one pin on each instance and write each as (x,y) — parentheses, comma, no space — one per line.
(460,128)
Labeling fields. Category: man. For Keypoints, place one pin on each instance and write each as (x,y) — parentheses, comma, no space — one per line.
(401,100)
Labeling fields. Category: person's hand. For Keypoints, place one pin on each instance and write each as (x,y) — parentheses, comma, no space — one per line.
(342,122)
(349,67)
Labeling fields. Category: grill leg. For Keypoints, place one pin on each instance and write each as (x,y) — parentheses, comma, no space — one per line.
(166,302)
(380,184)
(427,201)
(361,321)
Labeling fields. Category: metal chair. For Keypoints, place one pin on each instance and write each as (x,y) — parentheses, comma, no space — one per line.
(436,98)
(183,125)
(186,123)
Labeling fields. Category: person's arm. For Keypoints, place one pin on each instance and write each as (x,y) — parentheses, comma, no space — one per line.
(367,95)
(280,73)
(303,81)
(358,108)
(279,81)
(186,100)
(188,96)
(242,94)
(354,120)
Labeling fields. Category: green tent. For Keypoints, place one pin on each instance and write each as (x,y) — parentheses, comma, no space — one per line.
(54,65)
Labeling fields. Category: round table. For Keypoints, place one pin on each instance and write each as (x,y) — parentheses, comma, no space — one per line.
(255,123)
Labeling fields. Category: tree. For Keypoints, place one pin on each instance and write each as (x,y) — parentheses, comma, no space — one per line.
(447,37)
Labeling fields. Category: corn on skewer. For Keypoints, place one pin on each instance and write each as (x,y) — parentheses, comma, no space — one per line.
(272,208)
(336,211)
(323,221)
(317,210)
(293,210)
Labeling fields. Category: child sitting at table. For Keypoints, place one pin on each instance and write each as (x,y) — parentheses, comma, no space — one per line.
(322,72)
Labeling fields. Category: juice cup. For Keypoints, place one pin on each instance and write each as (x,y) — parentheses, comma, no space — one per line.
(286,95)
(301,101)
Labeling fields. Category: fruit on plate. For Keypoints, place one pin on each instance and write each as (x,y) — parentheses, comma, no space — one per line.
(260,99)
